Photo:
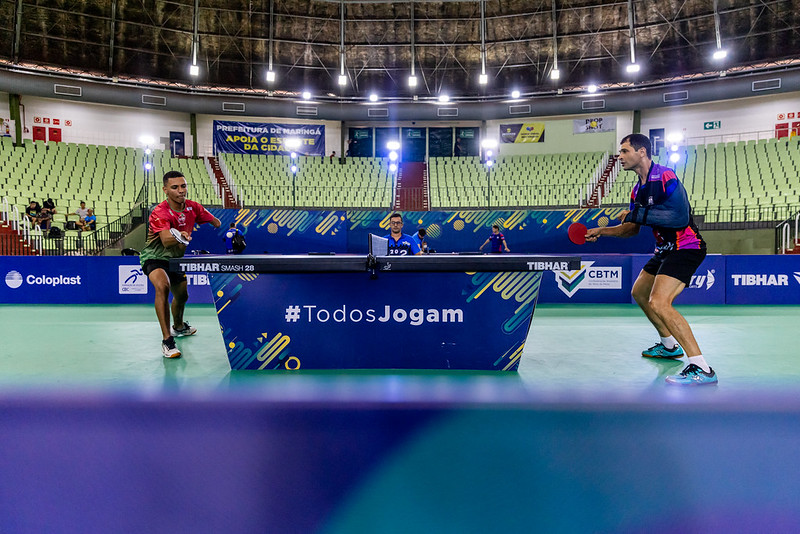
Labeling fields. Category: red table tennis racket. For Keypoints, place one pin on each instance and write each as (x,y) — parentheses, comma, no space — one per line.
(577,233)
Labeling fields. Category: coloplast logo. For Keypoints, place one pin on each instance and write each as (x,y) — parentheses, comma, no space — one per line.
(13,279)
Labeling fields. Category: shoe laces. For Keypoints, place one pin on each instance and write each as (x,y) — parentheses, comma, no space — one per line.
(654,347)
(169,342)
(692,369)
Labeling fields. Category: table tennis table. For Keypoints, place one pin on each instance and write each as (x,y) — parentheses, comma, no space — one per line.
(433,311)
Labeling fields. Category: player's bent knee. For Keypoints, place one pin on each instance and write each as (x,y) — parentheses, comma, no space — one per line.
(658,304)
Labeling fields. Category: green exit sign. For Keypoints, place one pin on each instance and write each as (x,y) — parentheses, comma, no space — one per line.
(712,125)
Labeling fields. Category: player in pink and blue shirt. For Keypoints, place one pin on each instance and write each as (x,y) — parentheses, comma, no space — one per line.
(659,200)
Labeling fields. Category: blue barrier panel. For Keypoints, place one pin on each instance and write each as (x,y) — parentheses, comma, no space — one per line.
(707,285)
(763,280)
(300,231)
(275,231)
(83,280)
(601,279)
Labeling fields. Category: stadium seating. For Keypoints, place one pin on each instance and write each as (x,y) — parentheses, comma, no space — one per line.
(198,181)
(266,181)
(549,180)
(744,181)
(109,179)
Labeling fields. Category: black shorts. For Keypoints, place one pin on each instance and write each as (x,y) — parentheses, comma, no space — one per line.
(680,264)
(151,265)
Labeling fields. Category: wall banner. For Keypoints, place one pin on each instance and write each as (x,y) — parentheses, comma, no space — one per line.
(267,138)
(594,125)
(529,132)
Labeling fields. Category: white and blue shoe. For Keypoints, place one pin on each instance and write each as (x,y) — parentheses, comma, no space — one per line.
(660,351)
(185,330)
(693,375)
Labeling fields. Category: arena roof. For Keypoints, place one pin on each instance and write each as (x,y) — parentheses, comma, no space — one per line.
(516,42)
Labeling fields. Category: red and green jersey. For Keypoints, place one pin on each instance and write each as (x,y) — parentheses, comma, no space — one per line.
(163,218)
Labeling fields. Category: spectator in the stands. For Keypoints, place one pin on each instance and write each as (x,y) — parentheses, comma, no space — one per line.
(47,214)
(89,222)
(33,212)
(82,212)
(332,156)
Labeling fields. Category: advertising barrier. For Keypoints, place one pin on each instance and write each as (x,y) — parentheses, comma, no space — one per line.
(603,278)
(84,280)
(763,280)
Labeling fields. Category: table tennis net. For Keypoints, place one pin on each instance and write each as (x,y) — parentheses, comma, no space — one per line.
(378,246)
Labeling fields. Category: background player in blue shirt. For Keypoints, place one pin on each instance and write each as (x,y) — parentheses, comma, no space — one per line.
(399,243)
(497,239)
(233,244)
(419,239)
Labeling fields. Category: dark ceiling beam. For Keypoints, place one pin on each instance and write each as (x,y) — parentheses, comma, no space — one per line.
(17,30)
(514,65)
(112,31)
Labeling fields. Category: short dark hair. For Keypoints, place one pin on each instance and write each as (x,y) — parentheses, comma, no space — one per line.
(393,215)
(422,231)
(233,225)
(172,174)
(496,226)
(638,141)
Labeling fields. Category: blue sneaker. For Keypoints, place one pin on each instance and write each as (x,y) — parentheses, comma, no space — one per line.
(660,351)
(693,375)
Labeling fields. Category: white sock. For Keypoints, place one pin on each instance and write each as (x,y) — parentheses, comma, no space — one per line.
(669,342)
(700,362)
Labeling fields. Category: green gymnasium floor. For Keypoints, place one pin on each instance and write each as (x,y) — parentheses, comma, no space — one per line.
(99,433)
(571,348)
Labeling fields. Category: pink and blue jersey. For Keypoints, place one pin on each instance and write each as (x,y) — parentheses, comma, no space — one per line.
(662,204)
(497,240)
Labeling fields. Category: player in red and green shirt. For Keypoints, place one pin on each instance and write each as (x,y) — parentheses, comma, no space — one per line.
(182,214)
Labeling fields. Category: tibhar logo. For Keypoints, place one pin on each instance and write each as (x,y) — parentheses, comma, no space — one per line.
(132,280)
(589,277)
(13,279)
(698,280)
(760,279)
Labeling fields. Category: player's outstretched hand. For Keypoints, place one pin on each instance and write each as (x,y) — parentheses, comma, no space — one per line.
(592,234)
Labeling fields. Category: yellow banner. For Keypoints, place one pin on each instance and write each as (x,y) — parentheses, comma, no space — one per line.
(529,132)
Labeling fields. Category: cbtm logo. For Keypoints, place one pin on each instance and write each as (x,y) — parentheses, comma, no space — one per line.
(588,277)
(700,280)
